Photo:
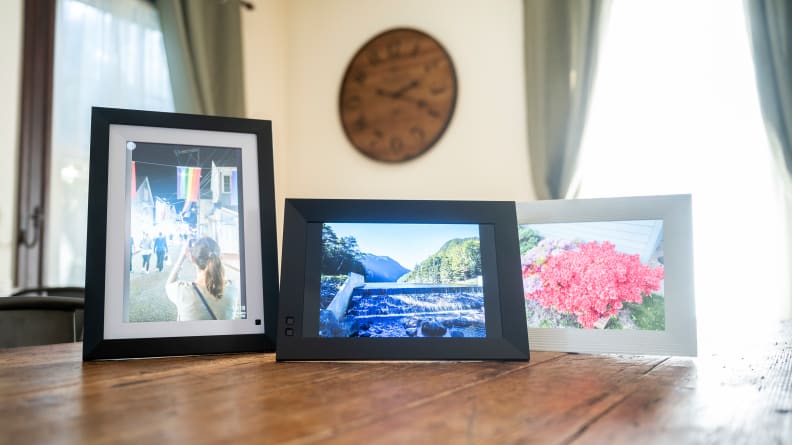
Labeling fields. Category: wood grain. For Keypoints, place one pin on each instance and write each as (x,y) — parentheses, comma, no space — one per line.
(49,396)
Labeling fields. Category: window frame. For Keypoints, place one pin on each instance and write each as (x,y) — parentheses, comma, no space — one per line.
(35,143)
(35,115)
(225,188)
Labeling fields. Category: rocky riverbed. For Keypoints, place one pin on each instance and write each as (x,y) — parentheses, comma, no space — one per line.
(458,314)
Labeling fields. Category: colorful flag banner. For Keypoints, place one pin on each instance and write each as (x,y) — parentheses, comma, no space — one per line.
(188,182)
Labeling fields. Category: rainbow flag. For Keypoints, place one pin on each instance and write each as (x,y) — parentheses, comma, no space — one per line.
(188,181)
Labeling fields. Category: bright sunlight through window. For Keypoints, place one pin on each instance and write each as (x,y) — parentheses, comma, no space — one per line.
(675,110)
(107,54)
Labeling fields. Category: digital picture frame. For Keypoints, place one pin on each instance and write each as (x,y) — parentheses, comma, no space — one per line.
(181,248)
(610,275)
(400,280)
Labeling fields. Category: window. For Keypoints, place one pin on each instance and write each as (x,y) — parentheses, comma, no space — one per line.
(675,110)
(107,53)
(226,183)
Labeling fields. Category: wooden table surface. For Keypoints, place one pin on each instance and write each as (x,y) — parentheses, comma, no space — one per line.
(47,395)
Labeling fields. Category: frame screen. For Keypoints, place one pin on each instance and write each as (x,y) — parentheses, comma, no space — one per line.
(594,275)
(177,202)
(365,290)
(389,280)
(184,199)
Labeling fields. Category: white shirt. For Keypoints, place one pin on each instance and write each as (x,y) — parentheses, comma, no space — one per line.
(190,306)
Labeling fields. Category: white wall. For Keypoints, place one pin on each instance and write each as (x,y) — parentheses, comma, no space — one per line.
(483,152)
(10,51)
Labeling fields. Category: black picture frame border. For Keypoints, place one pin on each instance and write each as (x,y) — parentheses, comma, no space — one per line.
(95,346)
(510,339)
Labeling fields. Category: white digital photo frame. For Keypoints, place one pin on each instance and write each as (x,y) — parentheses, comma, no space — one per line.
(609,275)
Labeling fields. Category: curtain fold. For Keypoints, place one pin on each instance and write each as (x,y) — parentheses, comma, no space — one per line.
(561,44)
(203,42)
(771,41)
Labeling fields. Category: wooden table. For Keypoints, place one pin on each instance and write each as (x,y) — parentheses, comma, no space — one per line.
(47,395)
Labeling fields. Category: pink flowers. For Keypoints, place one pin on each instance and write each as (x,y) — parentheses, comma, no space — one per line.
(591,281)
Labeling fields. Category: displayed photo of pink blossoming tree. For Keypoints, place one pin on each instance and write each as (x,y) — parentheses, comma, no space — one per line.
(594,275)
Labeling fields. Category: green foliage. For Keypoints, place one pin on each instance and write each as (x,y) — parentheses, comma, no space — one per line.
(650,314)
(457,261)
(528,239)
(340,256)
(614,323)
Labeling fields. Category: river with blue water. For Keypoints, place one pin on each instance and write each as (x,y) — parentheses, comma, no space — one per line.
(398,310)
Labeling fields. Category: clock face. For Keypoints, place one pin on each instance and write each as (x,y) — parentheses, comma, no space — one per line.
(398,95)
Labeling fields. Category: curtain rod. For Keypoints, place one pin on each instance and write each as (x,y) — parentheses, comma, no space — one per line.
(244,3)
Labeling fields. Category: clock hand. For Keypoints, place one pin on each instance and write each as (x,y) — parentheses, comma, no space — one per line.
(398,93)
(421,104)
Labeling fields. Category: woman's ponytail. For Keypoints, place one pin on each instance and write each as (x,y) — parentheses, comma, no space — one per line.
(215,276)
(206,254)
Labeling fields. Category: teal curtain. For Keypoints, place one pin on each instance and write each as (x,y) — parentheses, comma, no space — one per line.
(770,23)
(203,43)
(561,45)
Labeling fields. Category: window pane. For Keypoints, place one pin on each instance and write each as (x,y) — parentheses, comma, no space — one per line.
(675,110)
(107,53)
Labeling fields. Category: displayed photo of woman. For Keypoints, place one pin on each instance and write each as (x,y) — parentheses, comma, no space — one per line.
(204,297)
(186,240)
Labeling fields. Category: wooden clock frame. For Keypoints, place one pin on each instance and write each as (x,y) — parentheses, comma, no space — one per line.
(398,95)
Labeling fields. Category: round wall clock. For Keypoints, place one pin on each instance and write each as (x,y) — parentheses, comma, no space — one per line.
(398,95)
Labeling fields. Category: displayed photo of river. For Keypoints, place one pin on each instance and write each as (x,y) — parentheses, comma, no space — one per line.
(401,280)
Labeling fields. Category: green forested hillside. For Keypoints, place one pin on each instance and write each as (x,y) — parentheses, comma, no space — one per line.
(458,260)
(340,255)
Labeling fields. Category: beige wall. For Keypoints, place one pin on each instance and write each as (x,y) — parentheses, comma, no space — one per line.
(481,156)
(10,50)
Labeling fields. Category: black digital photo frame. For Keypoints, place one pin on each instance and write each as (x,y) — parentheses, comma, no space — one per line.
(181,247)
(400,280)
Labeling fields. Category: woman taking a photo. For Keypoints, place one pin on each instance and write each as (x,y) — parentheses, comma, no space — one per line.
(203,298)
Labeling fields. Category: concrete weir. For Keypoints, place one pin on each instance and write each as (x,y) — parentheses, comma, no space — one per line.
(355,285)
(340,302)
(412,288)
